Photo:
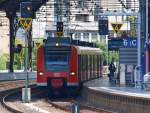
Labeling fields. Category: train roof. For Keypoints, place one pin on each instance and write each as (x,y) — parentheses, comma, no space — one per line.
(88,50)
(81,46)
(66,41)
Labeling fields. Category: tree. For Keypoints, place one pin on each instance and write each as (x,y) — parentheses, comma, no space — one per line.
(103,47)
(107,56)
(19,57)
(3,61)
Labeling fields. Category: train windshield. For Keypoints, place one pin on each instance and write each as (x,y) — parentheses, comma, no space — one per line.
(57,62)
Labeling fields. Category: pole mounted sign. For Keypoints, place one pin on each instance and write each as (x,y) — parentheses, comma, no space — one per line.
(116,27)
(25,23)
(132,43)
(38,44)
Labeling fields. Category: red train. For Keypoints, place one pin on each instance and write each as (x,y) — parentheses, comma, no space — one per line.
(65,64)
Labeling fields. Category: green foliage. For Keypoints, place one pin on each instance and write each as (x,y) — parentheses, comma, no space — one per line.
(107,56)
(103,47)
(19,57)
(3,60)
(113,56)
(19,60)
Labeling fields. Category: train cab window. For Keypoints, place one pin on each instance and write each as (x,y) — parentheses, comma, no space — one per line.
(57,62)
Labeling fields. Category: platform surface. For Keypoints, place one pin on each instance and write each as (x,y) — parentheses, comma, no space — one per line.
(103,85)
(5,76)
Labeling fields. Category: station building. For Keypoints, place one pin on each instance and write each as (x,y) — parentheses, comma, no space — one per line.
(82,21)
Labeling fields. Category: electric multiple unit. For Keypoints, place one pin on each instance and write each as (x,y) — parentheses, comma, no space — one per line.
(64,64)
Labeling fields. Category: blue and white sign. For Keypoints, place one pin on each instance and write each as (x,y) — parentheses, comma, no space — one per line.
(129,42)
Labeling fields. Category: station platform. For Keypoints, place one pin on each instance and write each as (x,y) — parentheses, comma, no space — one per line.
(103,84)
(6,76)
(121,99)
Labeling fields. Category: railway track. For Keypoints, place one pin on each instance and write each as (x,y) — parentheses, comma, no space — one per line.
(66,105)
(62,105)
(7,88)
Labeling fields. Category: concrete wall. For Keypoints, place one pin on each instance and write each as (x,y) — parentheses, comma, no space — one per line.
(16,75)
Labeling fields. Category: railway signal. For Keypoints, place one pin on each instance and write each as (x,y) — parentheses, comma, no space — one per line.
(103,27)
(60,29)
(26,10)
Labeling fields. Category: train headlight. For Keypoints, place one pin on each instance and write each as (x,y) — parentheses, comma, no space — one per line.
(41,73)
(72,73)
(57,44)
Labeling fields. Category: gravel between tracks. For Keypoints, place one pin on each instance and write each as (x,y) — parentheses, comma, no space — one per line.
(6,87)
(42,106)
(36,106)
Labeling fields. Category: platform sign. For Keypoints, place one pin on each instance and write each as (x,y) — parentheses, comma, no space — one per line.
(115,44)
(132,43)
(25,22)
(116,27)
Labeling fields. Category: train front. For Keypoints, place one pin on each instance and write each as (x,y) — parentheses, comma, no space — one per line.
(53,64)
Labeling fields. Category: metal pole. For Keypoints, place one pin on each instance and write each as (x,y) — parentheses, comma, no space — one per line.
(26,68)
(139,40)
(147,59)
(58,10)
(11,22)
(139,52)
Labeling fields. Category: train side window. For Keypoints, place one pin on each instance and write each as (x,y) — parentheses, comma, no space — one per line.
(86,67)
(90,66)
(82,67)
(94,66)
(79,67)
(98,66)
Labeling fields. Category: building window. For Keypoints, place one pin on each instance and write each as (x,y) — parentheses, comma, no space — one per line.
(82,17)
(94,37)
(95,18)
(48,34)
(77,36)
(86,37)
